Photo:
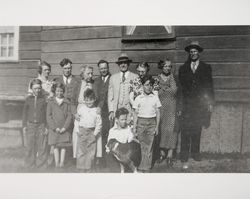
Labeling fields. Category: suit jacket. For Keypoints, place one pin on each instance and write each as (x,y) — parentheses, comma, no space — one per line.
(114,89)
(101,90)
(197,94)
(71,91)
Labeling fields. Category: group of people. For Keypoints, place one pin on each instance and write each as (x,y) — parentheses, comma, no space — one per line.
(86,113)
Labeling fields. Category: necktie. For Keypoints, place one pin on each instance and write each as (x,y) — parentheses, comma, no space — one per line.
(66,81)
(123,77)
(193,66)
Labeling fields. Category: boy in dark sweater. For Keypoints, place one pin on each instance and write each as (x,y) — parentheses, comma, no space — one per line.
(34,126)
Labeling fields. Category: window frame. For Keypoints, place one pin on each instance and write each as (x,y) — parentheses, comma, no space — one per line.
(15,57)
(147,37)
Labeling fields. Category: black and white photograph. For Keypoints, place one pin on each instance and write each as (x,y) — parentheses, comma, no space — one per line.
(151,105)
(107,99)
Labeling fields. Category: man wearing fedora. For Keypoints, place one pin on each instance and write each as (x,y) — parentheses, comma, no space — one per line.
(198,98)
(118,92)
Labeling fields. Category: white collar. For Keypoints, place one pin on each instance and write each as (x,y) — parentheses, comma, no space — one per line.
(126,74)
(105,78)
(59,100)
(69,79)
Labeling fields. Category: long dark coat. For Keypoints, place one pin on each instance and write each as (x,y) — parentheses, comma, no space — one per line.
(197,94)
(101,90)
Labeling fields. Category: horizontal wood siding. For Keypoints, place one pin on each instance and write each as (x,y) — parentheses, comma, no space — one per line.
(227,49)
(83,45)
(30,43)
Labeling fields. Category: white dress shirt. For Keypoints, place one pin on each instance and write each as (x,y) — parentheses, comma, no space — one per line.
(65,79)
(122,135)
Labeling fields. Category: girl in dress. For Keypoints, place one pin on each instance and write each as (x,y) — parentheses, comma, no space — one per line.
(59,119)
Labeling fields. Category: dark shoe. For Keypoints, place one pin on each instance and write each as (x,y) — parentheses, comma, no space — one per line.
(160,160)
(196,157)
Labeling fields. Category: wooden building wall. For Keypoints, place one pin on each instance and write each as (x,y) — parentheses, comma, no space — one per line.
(83,45)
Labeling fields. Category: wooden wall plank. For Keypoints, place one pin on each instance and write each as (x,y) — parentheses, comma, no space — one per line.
(237,95)
(33,45)
(30,29)
(216,42)
(81,33)
(30,55)
(156,45)
(81,57)
(30,36)
(61,27)
(228,55)
(17,72)
(230,127)
(82,45)
(211,30)
(246,127)
(231,82)
(20,64)
(210,137)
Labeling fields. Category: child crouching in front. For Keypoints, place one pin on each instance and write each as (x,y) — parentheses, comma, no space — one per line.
(146,121)
(88,132)
(121,131)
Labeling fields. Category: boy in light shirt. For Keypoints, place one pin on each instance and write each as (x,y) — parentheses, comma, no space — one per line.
(88,130)
(121,131)
(146,121)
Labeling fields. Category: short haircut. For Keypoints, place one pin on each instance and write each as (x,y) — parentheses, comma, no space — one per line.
(40,66)
(35,81)
(57,85)
(161,63)
(102,61)
(89,94)
(65,61)
(144,65)
(121,111)
(148,78)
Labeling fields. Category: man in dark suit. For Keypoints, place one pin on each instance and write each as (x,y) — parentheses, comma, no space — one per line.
(198,98)
(71,83)
(101,85)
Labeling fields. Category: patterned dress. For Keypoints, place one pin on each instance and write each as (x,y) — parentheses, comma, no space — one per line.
(167,95)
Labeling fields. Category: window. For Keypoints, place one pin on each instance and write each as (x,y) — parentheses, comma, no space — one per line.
(9,37)
(132,33)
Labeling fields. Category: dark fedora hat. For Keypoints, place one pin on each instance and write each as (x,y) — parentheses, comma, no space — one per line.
(123,58)
(194,44)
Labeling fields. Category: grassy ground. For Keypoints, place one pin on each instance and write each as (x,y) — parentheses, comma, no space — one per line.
(12,161)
